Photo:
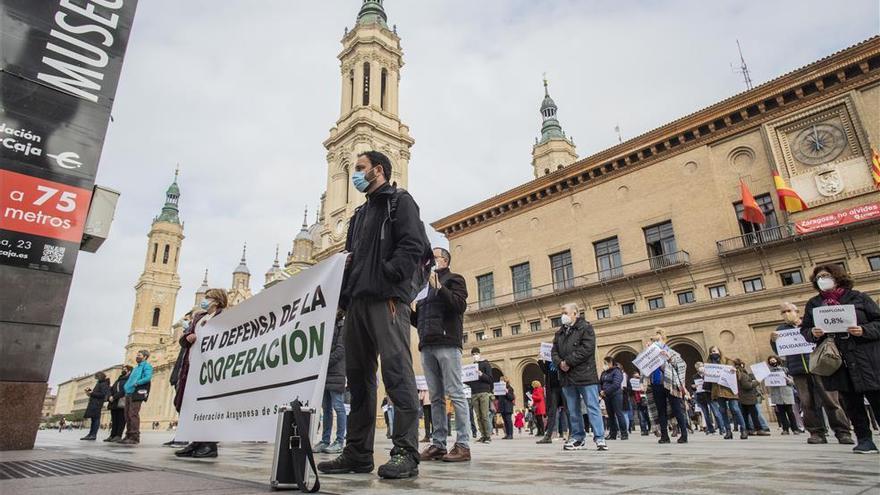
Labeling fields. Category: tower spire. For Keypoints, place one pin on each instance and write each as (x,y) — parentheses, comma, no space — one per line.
(550,127)
(372,11)
(242,266)
(306,218)
(170,212)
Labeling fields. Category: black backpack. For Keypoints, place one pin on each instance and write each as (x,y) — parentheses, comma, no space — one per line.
(426,261)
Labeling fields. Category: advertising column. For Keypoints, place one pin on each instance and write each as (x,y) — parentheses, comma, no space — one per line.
(60,62)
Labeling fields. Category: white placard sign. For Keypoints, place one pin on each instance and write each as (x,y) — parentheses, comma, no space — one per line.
(760,370)
(635,383)
(264,352)
(790,342)
(721,374)
(467,392)
(775,379)
(698,384)
(500,388)
(834,319)
(544,353)
(649,360)
(421,382)
(347,409)
(470,373)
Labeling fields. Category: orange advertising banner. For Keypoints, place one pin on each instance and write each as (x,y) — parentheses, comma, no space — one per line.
(836,219)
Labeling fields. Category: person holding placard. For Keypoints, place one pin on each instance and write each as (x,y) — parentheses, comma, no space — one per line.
(574,354)
(726,400)
(858,378)
(481,396)
(811,388)
(703,399)
(668,390)
(539,407)
(438,319)
(640,402)
(334,392)
(782,396)
(505,408)
(748,398)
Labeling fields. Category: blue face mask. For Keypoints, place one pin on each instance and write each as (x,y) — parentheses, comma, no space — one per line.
(205,304)
(359,179)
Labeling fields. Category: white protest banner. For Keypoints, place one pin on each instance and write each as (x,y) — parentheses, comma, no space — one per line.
(347,409)
(259,355)
(834,319)
(467,392)
(544,352)
(635,383)
(790,342)
(470,372)
(500,388)
(649,360)
(721,374)
(760,370)
(422,294)
(421,382)
(775,379)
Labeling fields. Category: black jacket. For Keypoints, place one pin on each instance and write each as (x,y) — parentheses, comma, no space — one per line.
(797,364)
(439,317)
(576,345)
(96,398)
(384,254)
(551,376)
(505,402)
(860,371)
(117,393)
(336,366)
(484,383)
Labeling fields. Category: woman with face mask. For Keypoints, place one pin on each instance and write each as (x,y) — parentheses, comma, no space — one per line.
(726,400)
(858,378)
(610,383)
(666,389)
(783,397)
(214,303)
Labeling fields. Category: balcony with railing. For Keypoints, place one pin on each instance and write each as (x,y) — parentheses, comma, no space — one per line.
(764,237)
(630,270)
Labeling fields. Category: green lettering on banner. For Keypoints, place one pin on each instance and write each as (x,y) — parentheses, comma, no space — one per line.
(239,359)
(272,360)
(230,362)
(284,349)
(249,360)
(316,339)
(261,359)
(202,378)
(218,368)
(298,336)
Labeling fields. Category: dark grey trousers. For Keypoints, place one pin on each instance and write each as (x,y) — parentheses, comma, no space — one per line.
(380,329)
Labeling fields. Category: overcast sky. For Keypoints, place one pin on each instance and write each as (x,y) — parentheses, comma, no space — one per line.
(243,93)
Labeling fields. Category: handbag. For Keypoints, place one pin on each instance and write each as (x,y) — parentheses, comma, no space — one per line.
(825,359)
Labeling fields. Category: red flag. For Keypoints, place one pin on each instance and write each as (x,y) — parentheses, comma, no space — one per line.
(751,211)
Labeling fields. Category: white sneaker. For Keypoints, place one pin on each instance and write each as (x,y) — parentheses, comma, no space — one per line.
(600,445)
(573,445)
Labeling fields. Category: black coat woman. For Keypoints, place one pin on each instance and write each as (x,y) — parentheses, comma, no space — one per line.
(97,396)
(116,405)
(858,378)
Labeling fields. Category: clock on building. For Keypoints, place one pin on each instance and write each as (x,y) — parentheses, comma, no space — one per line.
(818,144)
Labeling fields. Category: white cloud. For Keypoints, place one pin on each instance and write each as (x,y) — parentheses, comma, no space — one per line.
(242,93)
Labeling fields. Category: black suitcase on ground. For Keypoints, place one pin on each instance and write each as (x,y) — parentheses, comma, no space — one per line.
(293,466)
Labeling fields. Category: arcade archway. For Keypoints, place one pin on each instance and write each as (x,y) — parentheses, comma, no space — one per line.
(691,355)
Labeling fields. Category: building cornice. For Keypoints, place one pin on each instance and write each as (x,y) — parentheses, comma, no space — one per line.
(857,65)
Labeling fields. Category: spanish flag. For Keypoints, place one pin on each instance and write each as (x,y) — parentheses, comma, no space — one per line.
(788,199)
(875,167)
(751,211)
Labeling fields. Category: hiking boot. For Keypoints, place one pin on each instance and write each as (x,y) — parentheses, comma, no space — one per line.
(663,440)
(762,433)
(205,450)
(744,435)
(113,439)
(432,453)
(129,441)
(545,439)
(343,465)
(624,436)
(683,440)
(89,437)
(865,446)
(400,466)
(425,440)
(846,440)
(816,438)
(319,447)
(728,435)
(459,453)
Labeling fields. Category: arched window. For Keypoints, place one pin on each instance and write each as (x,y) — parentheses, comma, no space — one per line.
(383,89)
(351,88)
(156,317)
(366,99)
(165,254)
(155,251)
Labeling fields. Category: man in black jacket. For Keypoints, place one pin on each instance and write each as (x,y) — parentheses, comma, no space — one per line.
(574,353)
(438,318)
(482,395)
(386,241)
(810,388)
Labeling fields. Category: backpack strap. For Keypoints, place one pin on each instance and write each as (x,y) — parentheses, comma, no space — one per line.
(301,450)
